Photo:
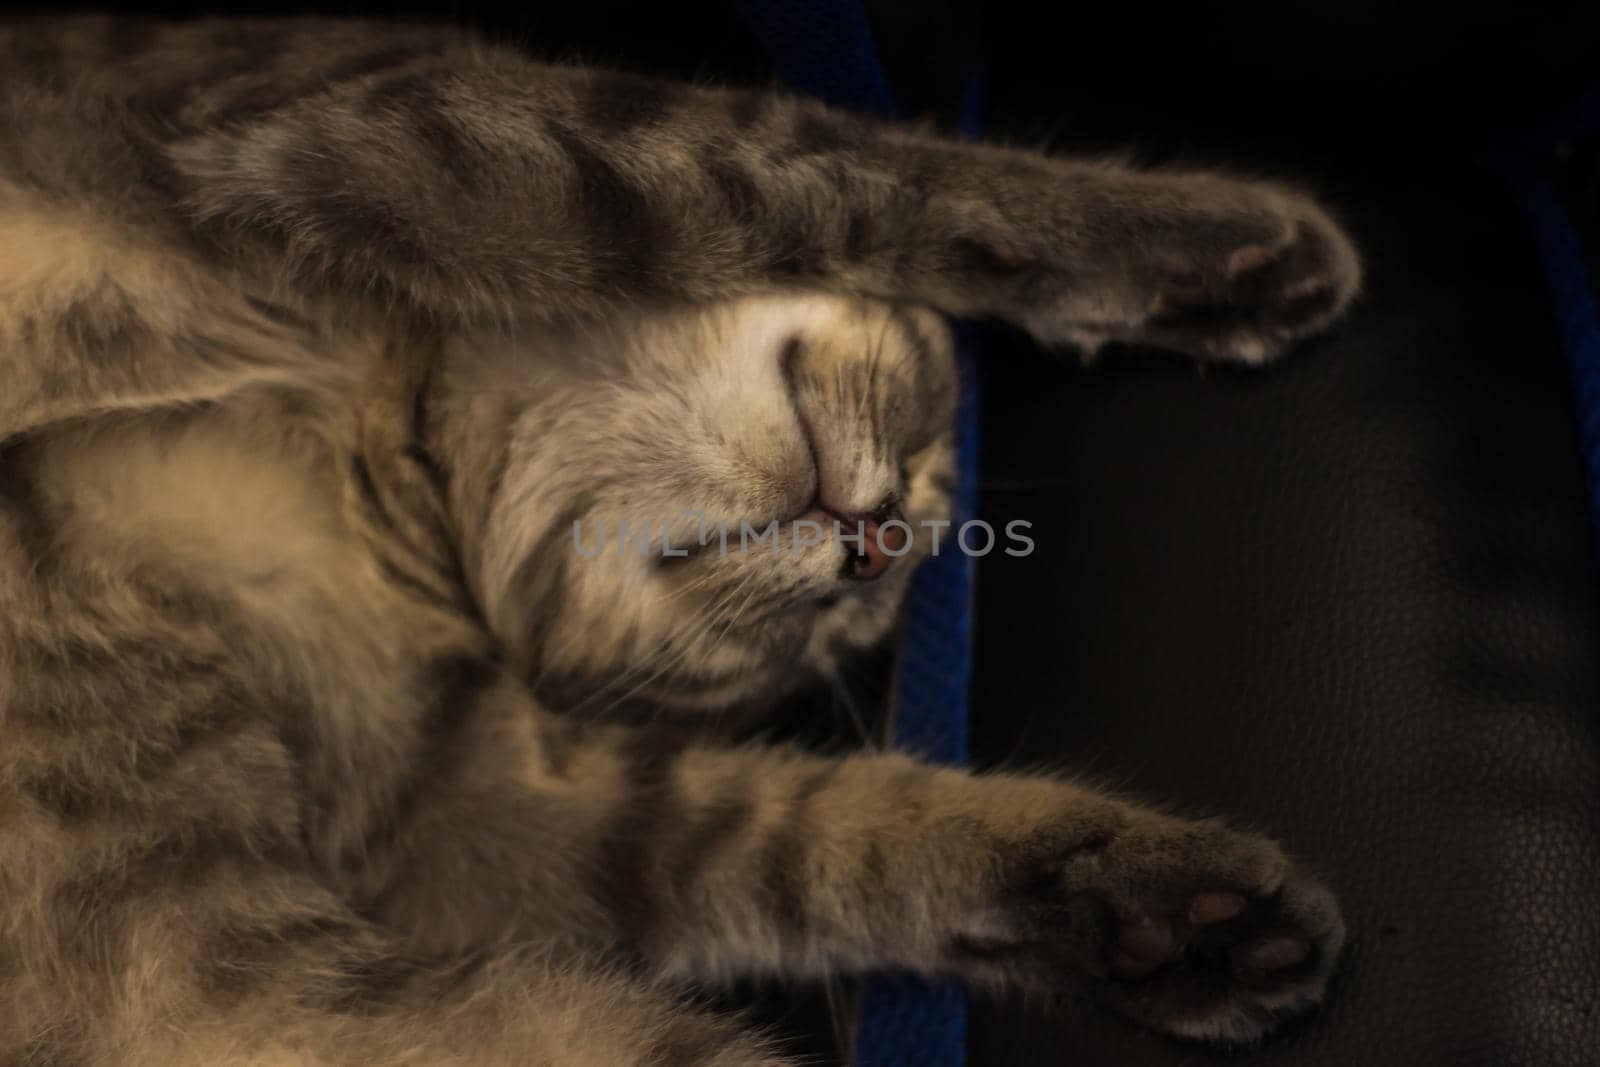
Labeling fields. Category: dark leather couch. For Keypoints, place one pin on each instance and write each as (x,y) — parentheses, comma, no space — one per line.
(1350,601)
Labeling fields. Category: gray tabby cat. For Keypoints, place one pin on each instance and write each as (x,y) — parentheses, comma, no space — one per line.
(317,340)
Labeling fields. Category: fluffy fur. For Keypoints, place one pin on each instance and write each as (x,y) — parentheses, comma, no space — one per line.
(319,340)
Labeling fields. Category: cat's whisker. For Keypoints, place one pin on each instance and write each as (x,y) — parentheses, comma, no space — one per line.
(652,664)
(688,648)
(844,699)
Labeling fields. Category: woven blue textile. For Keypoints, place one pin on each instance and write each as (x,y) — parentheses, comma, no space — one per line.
(1572,296)
(906,1022)
(1567,278)
(825,48)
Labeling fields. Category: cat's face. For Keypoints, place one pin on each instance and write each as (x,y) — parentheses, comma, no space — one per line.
(664,526)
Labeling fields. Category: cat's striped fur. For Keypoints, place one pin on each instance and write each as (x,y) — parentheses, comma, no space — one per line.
(316,339)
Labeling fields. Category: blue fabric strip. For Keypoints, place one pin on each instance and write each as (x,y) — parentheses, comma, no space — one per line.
(1572,297)
(905,1021)
(1517,155)
(825,48)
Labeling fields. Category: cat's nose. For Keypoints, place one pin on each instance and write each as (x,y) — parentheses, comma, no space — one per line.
(883,538)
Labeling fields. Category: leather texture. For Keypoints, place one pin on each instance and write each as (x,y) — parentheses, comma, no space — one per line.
(1349,601)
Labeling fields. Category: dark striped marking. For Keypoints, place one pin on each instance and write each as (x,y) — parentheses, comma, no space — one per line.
(36,55)
(860,235)
(376,61)
(542,575)
(617,104)
(418,98)
(367,245)
(694,846)
(374,983)
(970,258)
(417,449)
(629,851)
(784,859)
(738,190)
(239,957)
(23,503)
(820,133)
(749,110)
(94,912)
(454,689)
(621,225)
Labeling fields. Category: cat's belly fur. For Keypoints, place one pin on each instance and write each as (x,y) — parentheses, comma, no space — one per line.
(233,500)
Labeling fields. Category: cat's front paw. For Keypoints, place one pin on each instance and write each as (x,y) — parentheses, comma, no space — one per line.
(1220,269)
(1225,965)
(1215,935)
(1247,299)
(1189,928)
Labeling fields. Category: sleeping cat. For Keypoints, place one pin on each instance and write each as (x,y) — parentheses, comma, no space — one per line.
(321,342)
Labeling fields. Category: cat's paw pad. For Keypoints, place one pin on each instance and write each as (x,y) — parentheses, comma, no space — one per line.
(1224,955)
(1249,302)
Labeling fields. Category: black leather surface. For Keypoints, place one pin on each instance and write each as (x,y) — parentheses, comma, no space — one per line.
(1349,601)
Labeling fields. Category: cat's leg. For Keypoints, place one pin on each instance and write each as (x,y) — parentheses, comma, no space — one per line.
(451,179)
(712,863)
(262,978)
(98,313)
(161,786)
